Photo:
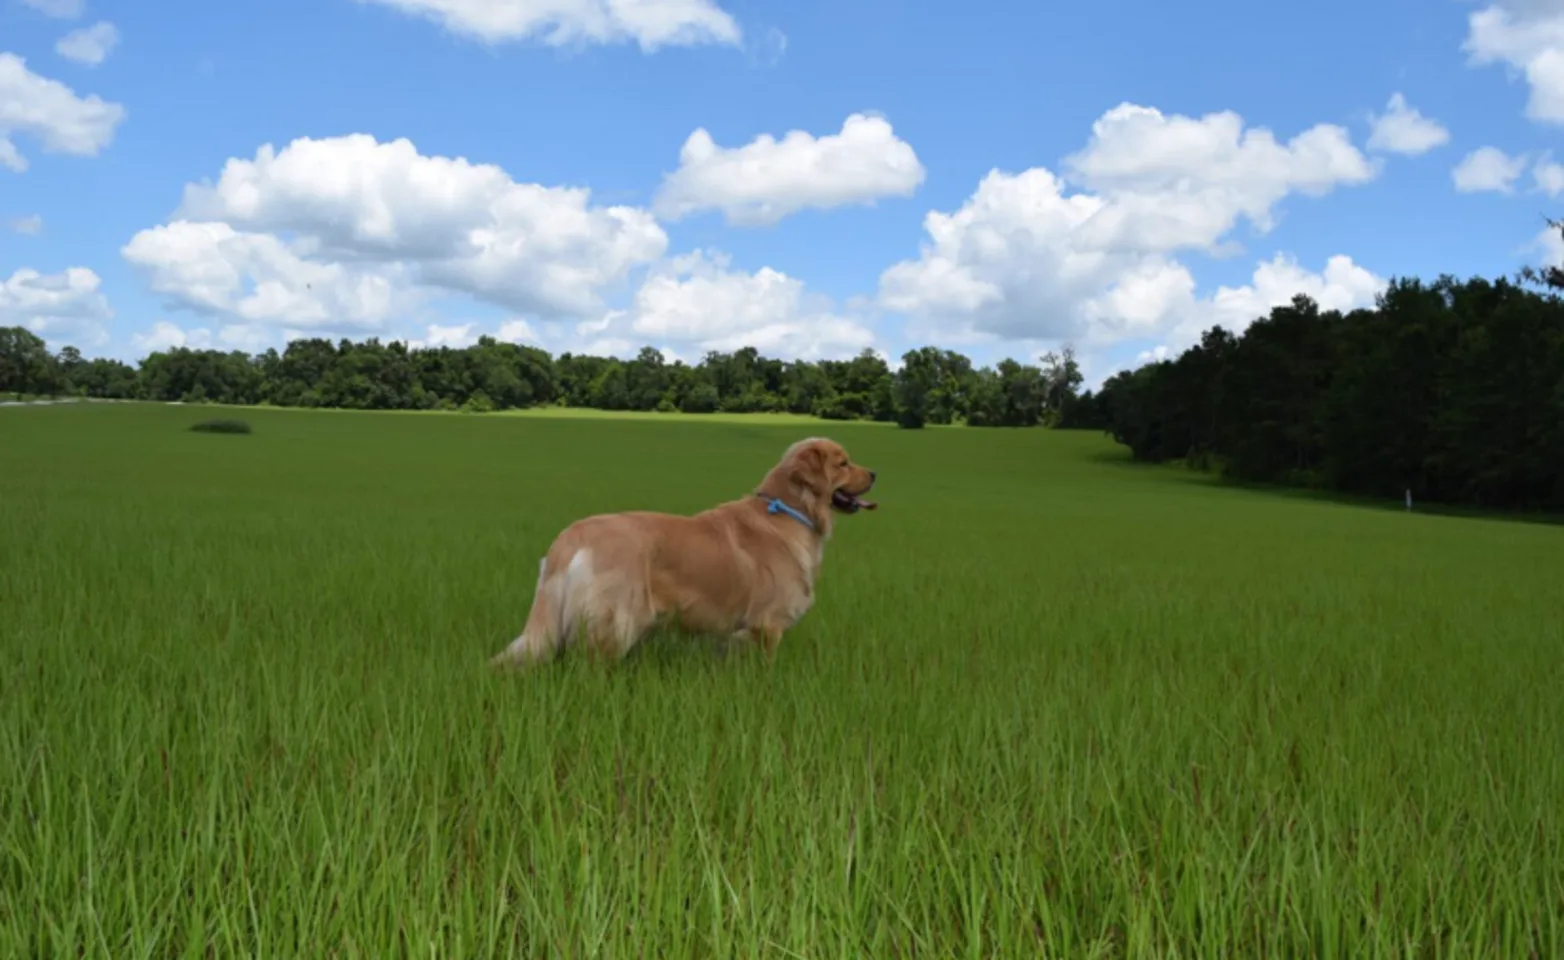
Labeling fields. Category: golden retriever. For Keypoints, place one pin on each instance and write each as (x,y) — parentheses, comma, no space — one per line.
(744,568)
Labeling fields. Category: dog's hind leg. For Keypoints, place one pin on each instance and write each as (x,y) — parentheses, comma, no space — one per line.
(615,612)
(619,624)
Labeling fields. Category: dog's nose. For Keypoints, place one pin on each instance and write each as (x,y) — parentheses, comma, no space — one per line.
(872,475)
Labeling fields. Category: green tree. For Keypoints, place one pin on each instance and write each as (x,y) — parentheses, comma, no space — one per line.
(1062,378)
(26,365)
(916,384)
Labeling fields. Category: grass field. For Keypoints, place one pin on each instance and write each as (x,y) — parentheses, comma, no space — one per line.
(1047,704)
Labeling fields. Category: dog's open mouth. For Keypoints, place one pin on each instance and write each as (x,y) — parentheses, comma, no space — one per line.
(850,502)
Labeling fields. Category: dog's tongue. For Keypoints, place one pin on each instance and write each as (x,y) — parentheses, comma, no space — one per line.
(846,501)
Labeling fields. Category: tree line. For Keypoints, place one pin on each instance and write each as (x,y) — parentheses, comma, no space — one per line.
(1452,390)
(933,386)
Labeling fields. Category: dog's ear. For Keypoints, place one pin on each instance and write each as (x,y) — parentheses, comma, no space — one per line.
(808,469)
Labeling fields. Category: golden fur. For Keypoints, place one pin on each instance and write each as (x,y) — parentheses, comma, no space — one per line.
(739,568)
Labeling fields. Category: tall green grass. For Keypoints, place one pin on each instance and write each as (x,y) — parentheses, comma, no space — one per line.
(1046,705)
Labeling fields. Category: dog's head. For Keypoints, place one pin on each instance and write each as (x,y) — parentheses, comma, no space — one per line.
(818,476)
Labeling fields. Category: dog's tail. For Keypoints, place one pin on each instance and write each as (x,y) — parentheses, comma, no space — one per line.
(554,613)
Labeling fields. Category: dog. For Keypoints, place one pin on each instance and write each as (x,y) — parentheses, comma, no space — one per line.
(745,568)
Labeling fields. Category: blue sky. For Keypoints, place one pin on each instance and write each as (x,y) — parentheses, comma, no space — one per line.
(1117,176)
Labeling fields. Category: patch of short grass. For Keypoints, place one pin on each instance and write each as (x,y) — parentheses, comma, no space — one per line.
(1044,706)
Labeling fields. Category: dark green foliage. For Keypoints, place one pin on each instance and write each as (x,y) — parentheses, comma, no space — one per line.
(1454,390)
(221,426)
(25,363)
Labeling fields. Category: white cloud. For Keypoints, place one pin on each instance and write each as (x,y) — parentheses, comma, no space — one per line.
(60,307)
(1487,169)
(52,113)
(694,303)
(1402,129)
(1342,285)
(258,278)
(253,337)
(59,9)
(11,158)
(455,336)
(1027,258)
(1549,175)
(29,226)
(165,335)
(652,24)
(373,227)
(768,179)
(517,331)
(1550,245)
(89,46)
(1527,37)
(1194,177)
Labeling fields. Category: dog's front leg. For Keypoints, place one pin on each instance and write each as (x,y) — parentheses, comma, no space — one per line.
(768,638)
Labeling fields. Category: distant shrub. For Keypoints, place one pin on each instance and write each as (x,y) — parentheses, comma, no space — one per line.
(842,406)
(479,402)
(221,426)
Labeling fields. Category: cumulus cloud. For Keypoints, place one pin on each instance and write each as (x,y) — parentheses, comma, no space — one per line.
(10,157)
(517,331)
(1156,354)
(1551,244)
(1402,129)
(65,307)
(259,278)
(50,112)
(651,24)
(89,46)
(59,9)
(1487,169)
(1527,38)
(1549,177)
(348,232)
(1027,257)
(454,335)
(1342,285)
(29,226)
(697,302)
(1192,178)
(768,179)
(166,335)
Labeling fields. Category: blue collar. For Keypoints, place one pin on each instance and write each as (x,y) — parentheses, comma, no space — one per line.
(775,505)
